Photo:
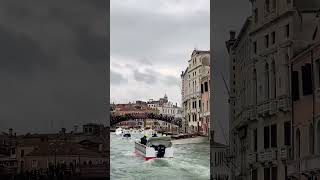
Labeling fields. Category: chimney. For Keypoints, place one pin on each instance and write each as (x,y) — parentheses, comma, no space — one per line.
(232,35)
(231,41)
(10,131)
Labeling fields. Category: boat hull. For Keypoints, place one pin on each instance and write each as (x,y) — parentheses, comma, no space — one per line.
(150,153)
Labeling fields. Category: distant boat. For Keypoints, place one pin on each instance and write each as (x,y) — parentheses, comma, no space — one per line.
(126,134)
(119,131)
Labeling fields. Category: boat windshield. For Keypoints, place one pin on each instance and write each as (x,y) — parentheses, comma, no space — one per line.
(166,141)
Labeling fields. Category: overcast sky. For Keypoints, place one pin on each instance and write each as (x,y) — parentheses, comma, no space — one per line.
(228,15)
(52,64)
(151,43)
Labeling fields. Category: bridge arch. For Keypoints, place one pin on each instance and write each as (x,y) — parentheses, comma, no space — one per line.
(115,119)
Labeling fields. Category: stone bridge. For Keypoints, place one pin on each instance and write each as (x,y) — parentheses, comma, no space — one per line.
(115,119)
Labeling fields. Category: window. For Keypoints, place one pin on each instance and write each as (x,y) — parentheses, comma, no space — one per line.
(266,41)
(274,4)
(254,175)
(318,71)
(199,103)
(266,137)
(295,85)
(267,81)
(274,135)
(34,163)
(287,133)
(201,88)
(22,153)
(267,173)
(274,173)
(287,30)
(273,37)
(255,139)
(255,47)
(13,151)
(206,86)
(267,4)
(233,67)
(256,16)
(306,79)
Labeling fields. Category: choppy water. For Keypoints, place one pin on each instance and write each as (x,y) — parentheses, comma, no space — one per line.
(190,162)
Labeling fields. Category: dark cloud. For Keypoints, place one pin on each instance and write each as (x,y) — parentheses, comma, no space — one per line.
(117,78)
(21,54)
(53,62)
(148,77)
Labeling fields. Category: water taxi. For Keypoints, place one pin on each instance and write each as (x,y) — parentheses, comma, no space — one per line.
(155,147)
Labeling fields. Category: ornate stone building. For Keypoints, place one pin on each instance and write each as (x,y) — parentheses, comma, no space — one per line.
(260,102)
(191,89)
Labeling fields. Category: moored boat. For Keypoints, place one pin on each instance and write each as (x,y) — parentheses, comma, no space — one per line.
(119,131)
(155,147)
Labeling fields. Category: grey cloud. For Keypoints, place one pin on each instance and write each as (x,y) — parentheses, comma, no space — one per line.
(117,78)
(53,63)
(171,81)
(146,77)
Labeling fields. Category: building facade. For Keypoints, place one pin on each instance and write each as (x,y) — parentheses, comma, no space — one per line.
(220,169)
(260,88)
(306,117)
(205,100)
(191,89)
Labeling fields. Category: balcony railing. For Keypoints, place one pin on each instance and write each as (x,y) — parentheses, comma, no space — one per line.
(252,158)
(252,113)
(311,164)
(285,153)
(284,104)
(293,168)
(267,108)
(268,155)
(308,165)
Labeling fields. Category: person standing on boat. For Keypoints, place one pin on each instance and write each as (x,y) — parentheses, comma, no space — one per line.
(144,140)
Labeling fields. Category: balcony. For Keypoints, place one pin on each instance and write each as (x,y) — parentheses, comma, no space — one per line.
(267,155)
(310,164)
(284,104)
(285,153)
(293,168)
(267,108)
(252,113)
(252,158)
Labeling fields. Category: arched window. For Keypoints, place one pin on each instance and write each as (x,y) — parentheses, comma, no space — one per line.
(311,139)
(266,87)
(255,89)
(274,79)
(297,146)
(318,137)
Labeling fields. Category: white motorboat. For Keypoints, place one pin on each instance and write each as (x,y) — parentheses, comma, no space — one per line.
(126,134)
(119,131)
(155,147)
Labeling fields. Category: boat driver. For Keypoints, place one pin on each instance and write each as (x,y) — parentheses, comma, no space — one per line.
(144,140)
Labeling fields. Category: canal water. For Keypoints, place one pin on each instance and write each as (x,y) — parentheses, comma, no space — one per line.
(190,162)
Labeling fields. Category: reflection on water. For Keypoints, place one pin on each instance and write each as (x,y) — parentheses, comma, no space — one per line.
(191,161)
